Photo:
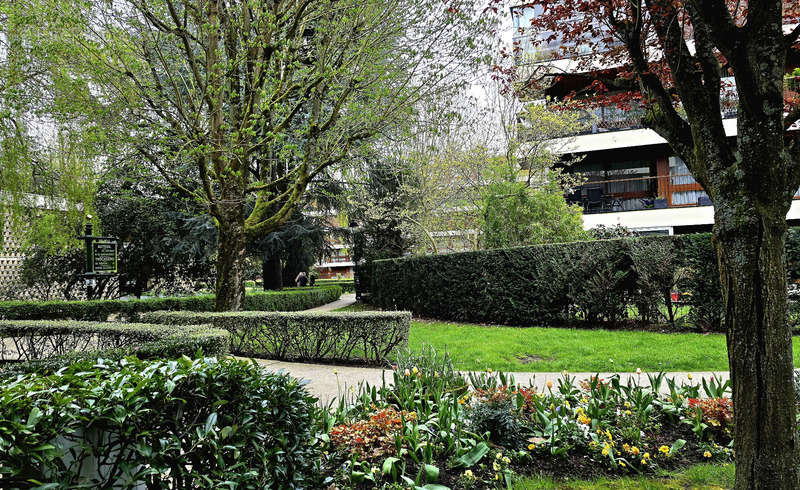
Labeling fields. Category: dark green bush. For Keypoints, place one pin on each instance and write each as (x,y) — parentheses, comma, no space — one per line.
(701,282)
(202,423)
(101,310)
(596,281)
(308,336)
(602,282)
(599,282)
(347,285)
(46,346)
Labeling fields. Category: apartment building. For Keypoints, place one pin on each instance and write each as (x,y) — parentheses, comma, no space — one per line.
(632,176)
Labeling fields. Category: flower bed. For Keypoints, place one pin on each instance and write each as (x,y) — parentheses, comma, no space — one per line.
(46,346)
(308,336)
(101,310)
(430,428)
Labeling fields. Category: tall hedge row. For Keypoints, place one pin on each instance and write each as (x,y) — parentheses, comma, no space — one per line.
(101,310)
(601,282)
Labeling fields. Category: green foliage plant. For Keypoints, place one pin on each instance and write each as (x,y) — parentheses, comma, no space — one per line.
(43,346)
(303,336)
(202,423)
(101,310)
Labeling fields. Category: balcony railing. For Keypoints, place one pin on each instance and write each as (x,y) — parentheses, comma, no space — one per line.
(638,193)
(606,119)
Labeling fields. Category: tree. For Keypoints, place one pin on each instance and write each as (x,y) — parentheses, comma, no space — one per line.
(672,57)
(51,127)
(450,157)
(163,242)
(253,99)
(513,214)
(296,247)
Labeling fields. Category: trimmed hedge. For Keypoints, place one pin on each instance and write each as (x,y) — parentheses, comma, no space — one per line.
(202,423)
(101,310)
(347,285)
(307,336)
(46,346)
(603,282)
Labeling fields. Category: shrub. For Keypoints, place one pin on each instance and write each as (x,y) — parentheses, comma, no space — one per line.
(101,310)
(702,282)
(347,285)
(203,423)
(46,346)
(603,281)
(308,336)
(593,281)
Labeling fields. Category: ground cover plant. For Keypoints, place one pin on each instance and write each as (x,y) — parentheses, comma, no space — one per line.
(303,336)
(438,427)
(101,310)
(698,476)
(202,423)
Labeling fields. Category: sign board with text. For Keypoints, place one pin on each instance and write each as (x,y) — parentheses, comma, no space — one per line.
(104,257)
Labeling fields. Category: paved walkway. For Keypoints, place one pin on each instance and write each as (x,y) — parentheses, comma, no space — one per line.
(344,300)
(328,381)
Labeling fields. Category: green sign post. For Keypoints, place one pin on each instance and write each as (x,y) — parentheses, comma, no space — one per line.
(101,257)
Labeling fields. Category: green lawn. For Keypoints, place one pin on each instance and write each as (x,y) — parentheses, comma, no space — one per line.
(479,347)
(700,476)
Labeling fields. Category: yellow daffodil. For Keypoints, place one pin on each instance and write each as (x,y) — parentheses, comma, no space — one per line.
(635,450)
(706,454)
(531,447)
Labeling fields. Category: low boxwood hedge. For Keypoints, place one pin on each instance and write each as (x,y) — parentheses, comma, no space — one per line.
(347,285)
(202,423)
(101,310)
(45,346)
(307,336)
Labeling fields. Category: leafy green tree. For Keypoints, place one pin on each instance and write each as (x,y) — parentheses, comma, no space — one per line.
(52,128)
(514,214)
(253,99)
(163,243)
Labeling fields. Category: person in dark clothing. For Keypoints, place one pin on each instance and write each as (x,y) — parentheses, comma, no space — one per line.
(301,279)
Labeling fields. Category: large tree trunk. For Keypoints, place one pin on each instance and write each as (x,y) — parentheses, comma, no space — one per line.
(750,247)
(272,273)
(230,265)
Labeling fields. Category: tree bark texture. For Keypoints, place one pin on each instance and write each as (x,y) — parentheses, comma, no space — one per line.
(752,269)
(230,259)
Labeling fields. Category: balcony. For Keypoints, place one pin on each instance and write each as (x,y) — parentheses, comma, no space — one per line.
(638,193)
